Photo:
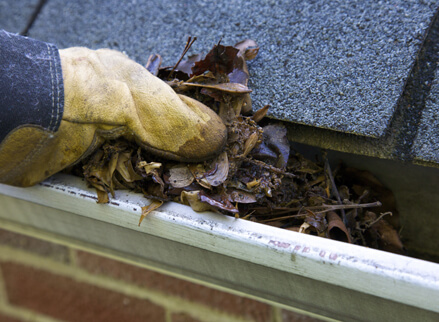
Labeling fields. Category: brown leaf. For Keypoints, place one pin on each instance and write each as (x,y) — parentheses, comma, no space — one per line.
(218,202)
(192,199)
(180,176)
(148,209)
(185,66)
(275,139)
(149,167)
(221,167)
(241,196)
(388,237)
(318,221)
(153,64)
(260,114)
(248,48)
(199,172)
(246,104)
(250,143)
(125,168)
(231,88)
(219,60)
(336,228)
(377,191)
(102,196)
(239,75)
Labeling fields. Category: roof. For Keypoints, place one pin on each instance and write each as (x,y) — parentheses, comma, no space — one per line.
(351,76)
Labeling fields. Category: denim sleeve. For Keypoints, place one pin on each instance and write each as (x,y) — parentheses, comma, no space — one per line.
(31,84)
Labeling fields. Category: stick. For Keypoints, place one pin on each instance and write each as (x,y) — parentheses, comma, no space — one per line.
(189,43)
(335,190)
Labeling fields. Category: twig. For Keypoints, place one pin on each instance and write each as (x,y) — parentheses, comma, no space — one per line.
(324,208)
(265,166)
(189,43)
(378,219)
(335,190)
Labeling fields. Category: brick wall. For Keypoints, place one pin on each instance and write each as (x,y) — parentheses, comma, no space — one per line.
(44,281)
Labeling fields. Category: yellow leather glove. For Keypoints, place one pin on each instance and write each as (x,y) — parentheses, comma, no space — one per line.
(107,96)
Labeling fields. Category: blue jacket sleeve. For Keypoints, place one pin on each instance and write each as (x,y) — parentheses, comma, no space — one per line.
(31,84)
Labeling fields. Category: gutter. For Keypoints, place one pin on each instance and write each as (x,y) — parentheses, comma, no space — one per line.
(297,271)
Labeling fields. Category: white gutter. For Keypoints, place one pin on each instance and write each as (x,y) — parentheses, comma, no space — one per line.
(326,277)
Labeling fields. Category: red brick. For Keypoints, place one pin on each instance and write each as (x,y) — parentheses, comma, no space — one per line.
(290,316)
(6,318)
(183,317)
(193,292)
(34,245)
(63,298)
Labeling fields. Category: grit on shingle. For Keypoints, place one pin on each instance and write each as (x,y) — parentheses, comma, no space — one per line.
(426,145)
(339,65)
(14,15)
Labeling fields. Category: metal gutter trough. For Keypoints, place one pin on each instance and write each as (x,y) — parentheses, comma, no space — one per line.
(326,278)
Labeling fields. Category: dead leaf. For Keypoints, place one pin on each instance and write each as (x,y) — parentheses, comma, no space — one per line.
(102,196)
(180,176)
(304,227)
(275,136)
(199,172)
(221,170)
(241,196)
(185,66)
(260,114)
(149,167)
(219,60)
(192,199)
(336,228)
(247,48)
(153,64)
(318,221)
(125,168)
(231,88)
(250,143)
(148,209)
(218,202)
(388,237)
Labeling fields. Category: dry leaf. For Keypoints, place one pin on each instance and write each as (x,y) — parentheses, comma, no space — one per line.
(180,176)
(336,228)
(231,88)
(153,64)
(260,114)
(125,168)
(192,199)
(219,60)
(148,209)
(241,196)
(149,167)
(221,170)
(388,237)
(220,202)
(247,48)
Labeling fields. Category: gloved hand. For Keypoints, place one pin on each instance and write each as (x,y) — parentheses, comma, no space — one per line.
(107,96)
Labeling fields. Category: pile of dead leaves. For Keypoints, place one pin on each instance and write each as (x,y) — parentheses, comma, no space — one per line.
(257,177)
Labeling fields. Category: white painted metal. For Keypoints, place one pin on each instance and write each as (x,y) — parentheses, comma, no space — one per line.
(407,287)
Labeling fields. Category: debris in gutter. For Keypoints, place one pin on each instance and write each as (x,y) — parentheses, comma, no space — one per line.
(258,176)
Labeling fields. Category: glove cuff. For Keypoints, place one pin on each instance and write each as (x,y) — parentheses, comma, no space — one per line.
(31,84)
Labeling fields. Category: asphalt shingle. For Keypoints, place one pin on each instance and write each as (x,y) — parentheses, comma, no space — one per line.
(14,15)
(340,65)
(426,145)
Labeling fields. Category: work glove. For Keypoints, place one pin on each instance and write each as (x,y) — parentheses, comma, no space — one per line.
(108,96)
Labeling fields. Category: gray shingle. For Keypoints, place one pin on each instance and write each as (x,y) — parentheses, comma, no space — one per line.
(426,145)
(339,65)
(14,15)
